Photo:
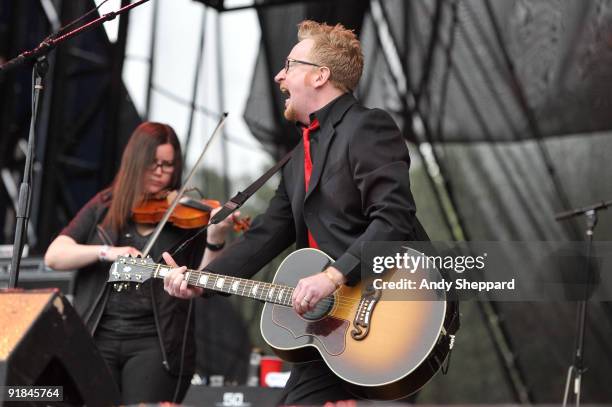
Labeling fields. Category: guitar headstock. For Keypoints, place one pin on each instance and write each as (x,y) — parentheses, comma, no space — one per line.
(128,269)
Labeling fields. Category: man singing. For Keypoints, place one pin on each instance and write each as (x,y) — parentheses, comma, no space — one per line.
(347,183)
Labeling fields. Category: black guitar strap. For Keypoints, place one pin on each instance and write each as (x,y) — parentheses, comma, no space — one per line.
(238,200)
(241,197)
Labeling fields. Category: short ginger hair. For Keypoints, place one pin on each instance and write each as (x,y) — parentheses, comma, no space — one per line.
(336,48)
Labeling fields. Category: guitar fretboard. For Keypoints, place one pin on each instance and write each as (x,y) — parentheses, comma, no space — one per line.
(273,293)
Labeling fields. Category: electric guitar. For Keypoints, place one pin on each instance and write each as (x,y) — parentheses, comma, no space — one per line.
(383,346)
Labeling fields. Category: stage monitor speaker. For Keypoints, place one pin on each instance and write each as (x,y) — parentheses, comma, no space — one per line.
(43,342)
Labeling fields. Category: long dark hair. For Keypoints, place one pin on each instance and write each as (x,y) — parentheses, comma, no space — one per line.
(128,186)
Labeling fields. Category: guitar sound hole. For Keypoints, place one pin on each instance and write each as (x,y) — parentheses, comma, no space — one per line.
(322,308)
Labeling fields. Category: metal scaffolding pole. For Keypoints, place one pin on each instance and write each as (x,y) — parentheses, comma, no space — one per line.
(111,144)
(220,93)
(196,83)
(153,45)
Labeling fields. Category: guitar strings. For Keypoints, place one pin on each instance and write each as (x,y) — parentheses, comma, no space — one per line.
(340,300)
(343,301)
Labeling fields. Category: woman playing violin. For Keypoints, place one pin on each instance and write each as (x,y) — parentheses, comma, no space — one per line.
(144,335)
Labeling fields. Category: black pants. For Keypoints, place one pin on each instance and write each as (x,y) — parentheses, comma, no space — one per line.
(312,383)
(136,366)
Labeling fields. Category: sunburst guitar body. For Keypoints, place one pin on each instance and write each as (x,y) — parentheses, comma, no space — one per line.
(384,346)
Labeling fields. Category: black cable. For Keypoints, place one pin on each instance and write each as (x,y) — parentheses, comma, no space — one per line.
(184,244)
(183,349)
(429,56)
(449,67)
(485,72)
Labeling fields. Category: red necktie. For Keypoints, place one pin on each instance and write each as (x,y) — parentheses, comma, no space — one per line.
(308,166)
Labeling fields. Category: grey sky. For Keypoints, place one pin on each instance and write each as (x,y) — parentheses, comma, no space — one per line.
(178,37)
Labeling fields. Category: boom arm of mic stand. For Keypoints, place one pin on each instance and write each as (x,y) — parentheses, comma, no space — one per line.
(48,44)
(582,211)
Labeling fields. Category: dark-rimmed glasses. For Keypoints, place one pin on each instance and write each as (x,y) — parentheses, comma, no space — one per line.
(166,166)
(290,61)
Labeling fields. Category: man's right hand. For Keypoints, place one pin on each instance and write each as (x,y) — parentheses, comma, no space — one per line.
(175,283)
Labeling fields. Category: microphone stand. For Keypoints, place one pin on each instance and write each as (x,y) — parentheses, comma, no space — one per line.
(39,54)
(577,368)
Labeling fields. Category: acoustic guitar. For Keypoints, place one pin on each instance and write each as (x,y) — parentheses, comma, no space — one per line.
(382,346)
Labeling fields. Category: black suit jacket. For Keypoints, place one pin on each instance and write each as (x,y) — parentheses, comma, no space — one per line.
(359,191)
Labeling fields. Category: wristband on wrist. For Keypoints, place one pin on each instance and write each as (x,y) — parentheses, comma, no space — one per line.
(215,247)
(337,284)
(103,253)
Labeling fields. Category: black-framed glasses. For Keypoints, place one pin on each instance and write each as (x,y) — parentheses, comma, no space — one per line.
(290,61)
(166,166)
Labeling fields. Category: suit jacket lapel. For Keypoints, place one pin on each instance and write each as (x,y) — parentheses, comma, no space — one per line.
(297,195)
(325,138)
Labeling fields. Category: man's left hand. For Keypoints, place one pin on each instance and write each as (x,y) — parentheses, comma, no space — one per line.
(217,233)
(310,290)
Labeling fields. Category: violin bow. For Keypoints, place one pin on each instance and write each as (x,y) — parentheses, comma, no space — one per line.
(181,191)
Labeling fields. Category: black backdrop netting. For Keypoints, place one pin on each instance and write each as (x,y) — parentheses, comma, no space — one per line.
(80,133)
(494,162)
(560,53)
(517,100)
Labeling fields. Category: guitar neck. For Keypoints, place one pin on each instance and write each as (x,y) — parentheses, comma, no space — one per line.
(268,292)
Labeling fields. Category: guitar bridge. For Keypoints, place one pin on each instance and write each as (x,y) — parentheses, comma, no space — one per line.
(361,323)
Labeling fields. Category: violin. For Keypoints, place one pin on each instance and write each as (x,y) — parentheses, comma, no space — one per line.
(189,213)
